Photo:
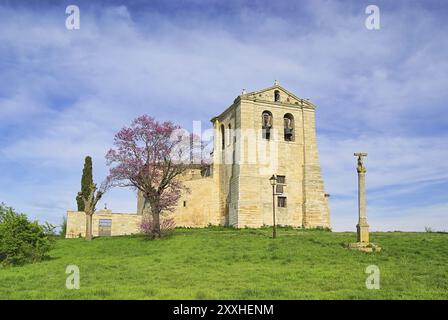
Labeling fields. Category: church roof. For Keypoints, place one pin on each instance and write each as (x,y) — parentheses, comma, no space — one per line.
(276,86)
(267,96)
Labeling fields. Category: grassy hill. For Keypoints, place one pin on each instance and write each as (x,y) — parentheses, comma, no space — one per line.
(223,263)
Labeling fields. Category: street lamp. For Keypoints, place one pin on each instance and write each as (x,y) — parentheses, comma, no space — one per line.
(273,181)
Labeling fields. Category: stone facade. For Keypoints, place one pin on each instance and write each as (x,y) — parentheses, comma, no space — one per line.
(238,192)
(245,158)
(121,223)
(198,206)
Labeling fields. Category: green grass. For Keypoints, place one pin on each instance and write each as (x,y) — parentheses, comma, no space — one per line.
(224,263)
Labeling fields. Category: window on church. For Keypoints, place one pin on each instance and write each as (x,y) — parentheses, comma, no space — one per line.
(229,135)
(185,204)
(281,182)
(222,137)
(279,189)
(266,124)
(288,124)
(277,96)
(281,202)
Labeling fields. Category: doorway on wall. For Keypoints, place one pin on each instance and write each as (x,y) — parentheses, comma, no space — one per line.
(105,227)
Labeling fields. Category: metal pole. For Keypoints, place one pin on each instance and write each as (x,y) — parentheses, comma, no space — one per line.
(274,231)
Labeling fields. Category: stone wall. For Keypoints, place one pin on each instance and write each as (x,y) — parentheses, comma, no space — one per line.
(122,223)
(225,171)
(315,206)
(273,156)
(244,185)
(199,207)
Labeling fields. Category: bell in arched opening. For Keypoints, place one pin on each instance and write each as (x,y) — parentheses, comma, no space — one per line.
(266,124)
(288,124)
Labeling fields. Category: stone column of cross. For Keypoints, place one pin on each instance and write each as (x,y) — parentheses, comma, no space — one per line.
(362,227)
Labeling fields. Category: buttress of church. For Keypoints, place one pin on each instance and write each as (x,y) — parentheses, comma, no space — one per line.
(262,133)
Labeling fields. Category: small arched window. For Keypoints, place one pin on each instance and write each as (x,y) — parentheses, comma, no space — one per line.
(288,124)
(223,144)
(266,124)
(229,135)
(277,96)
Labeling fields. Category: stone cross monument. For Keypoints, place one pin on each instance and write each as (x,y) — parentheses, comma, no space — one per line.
(362,227)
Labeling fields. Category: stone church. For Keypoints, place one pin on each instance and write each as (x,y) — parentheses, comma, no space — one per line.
(261,134)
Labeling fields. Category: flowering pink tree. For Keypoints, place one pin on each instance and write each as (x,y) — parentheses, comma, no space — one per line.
(167,226)
(150,156)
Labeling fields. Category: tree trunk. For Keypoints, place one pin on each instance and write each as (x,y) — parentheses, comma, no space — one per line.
(88,227)
(156,221)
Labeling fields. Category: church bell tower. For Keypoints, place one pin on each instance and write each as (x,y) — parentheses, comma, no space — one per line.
(266,132)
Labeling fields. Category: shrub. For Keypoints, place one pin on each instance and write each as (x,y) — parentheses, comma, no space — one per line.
(21,240)
(166,226)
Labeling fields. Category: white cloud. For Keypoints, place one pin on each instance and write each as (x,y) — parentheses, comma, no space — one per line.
(391,161)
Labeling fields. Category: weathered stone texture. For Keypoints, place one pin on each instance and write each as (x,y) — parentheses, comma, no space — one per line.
(297,160)
(122,223)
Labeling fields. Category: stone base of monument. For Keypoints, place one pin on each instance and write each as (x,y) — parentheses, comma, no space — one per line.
(364,247)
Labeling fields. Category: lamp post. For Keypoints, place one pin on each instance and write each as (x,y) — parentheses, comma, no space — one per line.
(273,181)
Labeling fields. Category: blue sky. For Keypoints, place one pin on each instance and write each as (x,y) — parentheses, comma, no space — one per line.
(63,94)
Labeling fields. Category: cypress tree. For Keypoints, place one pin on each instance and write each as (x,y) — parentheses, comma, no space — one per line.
(86,183)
